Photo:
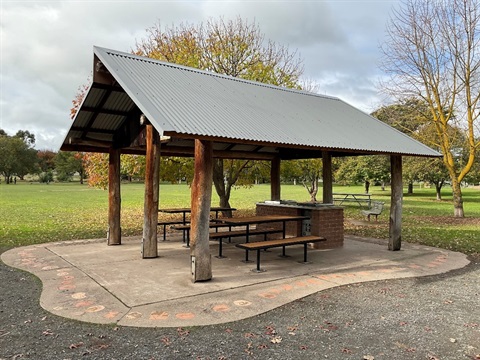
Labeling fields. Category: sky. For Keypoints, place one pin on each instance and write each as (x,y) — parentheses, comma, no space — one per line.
(46,49)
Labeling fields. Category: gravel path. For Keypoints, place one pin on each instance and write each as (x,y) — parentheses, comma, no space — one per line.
(436,318)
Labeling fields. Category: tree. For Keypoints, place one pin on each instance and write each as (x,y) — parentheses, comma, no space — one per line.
(365,170)
(17,158)
(26,136)
(46,160)
(96,167)
(236,48)
(67,164)
(132,166)
(429,170)
(308,172)
(412,117)
(432,53)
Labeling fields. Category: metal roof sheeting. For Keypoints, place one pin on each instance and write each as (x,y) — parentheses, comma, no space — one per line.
(189,101)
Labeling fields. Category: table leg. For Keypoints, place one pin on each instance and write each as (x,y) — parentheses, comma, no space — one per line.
(258,269)
(220,249)
(188,239)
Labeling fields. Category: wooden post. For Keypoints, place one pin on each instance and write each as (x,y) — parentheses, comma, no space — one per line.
(114,236)
(275,179)
(395,239)
(152,177)
(327,178)
(200,256)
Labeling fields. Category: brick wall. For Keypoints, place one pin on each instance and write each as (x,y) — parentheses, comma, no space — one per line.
(325,221)
(328,222)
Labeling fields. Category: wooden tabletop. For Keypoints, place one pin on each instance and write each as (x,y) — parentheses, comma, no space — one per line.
(259,219)
(187,210)
(349,194)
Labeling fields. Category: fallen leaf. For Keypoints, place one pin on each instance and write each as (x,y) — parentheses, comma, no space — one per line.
(432,357)
(75,346)
(262,346)
(452,340)
(368,357)
(250,335)
(346,351)
(303,347)
(248,349)
(47,332)
(276,340)
(182,332)
(270,330)
(292,328)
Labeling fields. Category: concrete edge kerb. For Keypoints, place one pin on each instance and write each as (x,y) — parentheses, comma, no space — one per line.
(79,286)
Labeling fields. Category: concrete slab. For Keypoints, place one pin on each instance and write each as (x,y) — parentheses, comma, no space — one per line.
(90,281)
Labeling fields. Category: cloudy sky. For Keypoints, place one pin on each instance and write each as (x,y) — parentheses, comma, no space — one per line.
(47,48)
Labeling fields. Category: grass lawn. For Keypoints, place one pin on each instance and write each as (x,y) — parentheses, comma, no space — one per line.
(33,213)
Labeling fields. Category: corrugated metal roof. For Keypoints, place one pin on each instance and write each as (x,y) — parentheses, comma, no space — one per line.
(182,100)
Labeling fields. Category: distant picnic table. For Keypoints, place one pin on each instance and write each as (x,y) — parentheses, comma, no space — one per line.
(348,197)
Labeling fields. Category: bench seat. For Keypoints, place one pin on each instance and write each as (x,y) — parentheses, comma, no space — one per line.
(186,229)
(166,223)
(237,233)
(268,244)
(376,209)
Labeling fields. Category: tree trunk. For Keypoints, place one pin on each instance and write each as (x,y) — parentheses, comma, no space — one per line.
(367,186)
(438,189)
(314,191)
(220,187)
(410,188)
(457,199)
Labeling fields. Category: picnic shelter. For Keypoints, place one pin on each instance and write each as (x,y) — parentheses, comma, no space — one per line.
(137,105)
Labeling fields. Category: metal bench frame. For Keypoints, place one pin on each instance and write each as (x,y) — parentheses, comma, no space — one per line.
(262,245)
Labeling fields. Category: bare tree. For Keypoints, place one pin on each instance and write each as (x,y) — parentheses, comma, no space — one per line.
(432,52)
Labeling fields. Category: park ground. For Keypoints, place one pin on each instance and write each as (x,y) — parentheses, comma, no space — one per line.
(434,317)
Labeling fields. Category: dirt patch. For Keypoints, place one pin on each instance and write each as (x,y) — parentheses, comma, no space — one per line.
(449,220)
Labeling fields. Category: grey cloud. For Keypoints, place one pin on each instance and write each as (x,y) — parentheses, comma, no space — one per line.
(46,49)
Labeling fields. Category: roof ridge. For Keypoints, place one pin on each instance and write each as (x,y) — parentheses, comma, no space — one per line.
(211,73)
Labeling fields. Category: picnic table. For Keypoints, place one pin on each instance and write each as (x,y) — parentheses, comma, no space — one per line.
(254,220)
(184,211)
(348,197)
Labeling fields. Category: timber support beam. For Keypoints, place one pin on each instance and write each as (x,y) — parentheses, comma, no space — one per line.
(152,182)
(327,178)
(395,238)
(114,236)
(275,179)
(201,197)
